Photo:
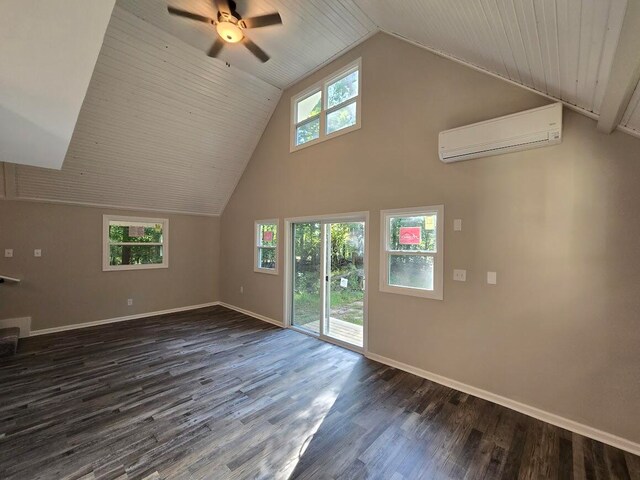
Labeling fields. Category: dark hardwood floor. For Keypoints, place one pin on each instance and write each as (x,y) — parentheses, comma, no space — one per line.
(215,394)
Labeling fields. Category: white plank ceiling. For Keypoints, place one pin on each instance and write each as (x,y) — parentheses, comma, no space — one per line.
(165,127)
(162,127)
(313,32)
(562,48)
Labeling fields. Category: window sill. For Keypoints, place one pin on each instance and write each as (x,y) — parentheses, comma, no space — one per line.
(413,292)
(270,271)
(133,267)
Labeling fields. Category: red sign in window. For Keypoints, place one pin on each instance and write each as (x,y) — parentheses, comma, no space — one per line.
(410,235)
(267,237)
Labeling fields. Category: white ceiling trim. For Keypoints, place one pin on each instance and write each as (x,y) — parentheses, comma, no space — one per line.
(113,207)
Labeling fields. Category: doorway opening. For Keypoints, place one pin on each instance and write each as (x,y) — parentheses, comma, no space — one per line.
(326,279)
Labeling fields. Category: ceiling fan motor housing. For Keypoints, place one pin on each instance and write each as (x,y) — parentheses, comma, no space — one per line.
(230,26)
(229,31)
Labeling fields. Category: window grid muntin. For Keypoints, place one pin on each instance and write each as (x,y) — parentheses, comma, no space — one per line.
(126,221)
(258,246)
(437,255)
(323,135)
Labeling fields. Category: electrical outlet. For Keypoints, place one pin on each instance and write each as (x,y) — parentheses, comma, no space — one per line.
(130,301)
(460,275)
(37,252)
(8,252)
(457,225)
(241,289)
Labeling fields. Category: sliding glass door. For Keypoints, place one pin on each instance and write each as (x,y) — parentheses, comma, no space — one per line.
(345,282)
(307,268)
(328,279)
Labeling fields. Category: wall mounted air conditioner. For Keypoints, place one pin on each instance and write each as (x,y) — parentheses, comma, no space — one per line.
(534,128)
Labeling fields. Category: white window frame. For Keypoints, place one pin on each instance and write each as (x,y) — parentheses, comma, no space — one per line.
(106,219)
(322,87)
(257,245)
(438,256)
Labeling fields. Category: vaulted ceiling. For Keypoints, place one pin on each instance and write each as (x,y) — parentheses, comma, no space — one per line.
(313,32)
(164,127)
(562,48)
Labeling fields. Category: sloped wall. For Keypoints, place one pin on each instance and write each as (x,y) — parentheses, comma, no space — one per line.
(48,53)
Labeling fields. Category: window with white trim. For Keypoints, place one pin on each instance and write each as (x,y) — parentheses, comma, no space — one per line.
(134,243)
(266,247)
(329,108)
(411,251)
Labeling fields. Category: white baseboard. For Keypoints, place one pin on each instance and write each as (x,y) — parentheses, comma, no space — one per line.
(252,314)
(534,412)
(75,326)
(23,323)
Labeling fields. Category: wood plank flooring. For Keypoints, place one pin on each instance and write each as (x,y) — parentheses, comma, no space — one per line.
(215,394)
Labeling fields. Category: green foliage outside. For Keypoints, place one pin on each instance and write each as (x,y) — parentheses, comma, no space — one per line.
(347,262)
(135,254)
(337,92)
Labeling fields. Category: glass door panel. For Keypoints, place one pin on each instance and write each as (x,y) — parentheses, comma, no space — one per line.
(307,276)
(345,282)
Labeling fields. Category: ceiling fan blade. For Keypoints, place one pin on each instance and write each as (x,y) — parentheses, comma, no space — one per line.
(192,16)
(255,49)
(223,6)
(215,48)
(262,21)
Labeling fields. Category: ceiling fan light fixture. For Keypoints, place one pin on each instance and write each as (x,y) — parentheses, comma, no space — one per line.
(229,32)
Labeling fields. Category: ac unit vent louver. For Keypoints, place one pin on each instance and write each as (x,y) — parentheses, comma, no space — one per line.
(520,131)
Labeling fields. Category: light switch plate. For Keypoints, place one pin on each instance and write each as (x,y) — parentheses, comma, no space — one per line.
(492,278)
(37,252)
(460,275)
(457,225)
(8,252)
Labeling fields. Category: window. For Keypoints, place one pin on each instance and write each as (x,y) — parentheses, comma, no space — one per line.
(266,247)
(329,108)
(411,254)
(132,243)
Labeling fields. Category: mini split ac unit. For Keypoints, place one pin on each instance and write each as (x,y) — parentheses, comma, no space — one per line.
(521,131)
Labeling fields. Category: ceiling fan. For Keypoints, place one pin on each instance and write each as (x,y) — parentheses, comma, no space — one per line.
(230,26)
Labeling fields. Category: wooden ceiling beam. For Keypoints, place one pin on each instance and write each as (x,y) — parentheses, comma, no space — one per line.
(625,71)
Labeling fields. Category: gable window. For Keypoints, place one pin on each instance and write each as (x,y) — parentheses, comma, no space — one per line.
(411,254)
(134,243)
(329,108)
(266,247)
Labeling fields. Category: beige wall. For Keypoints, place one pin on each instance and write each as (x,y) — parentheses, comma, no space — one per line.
(561,329)
(67,285)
